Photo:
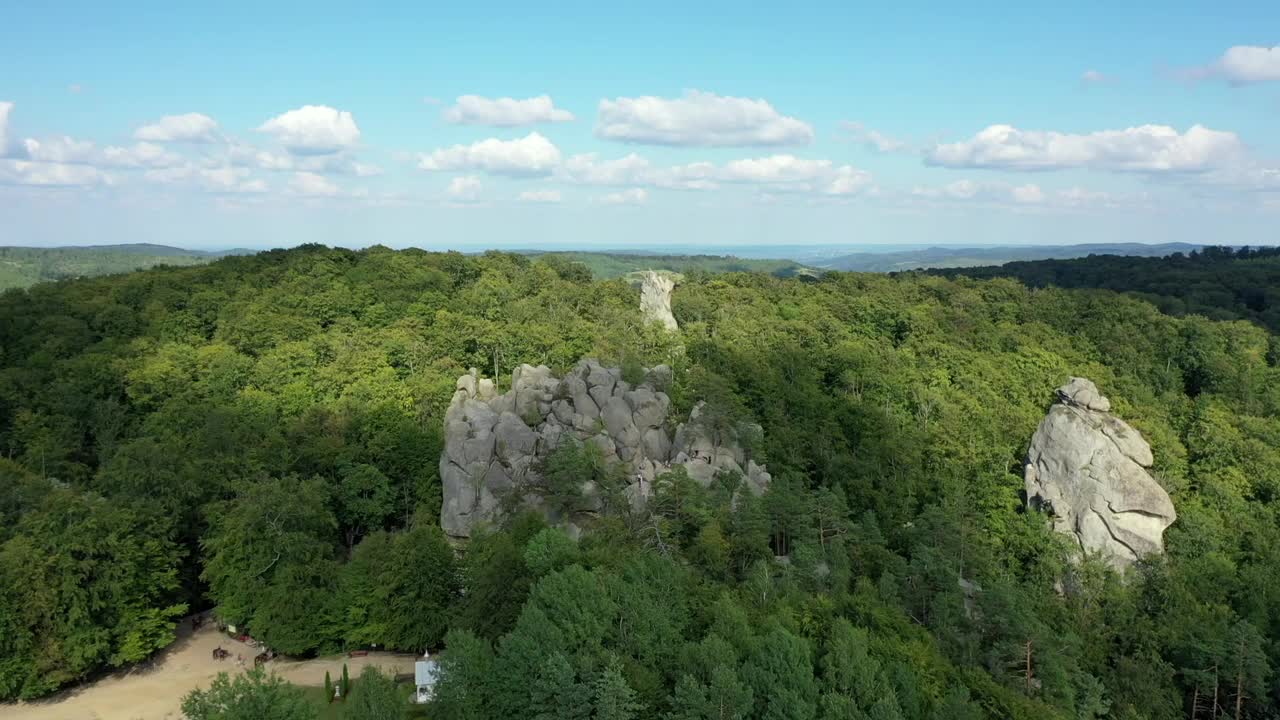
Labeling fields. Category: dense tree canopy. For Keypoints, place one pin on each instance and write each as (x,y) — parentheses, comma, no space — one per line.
(261,435)
(1222,283)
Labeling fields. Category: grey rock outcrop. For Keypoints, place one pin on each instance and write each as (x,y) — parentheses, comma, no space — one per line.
(1088,469)
(655,298)
(494,442)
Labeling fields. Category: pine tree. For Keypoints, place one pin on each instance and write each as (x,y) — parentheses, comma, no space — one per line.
(346,681)
(328,687)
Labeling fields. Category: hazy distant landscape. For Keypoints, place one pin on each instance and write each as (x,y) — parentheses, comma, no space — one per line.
(25,266)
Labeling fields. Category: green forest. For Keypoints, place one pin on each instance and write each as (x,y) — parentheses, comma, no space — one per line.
(260,435)
(22,267)
(1220,283)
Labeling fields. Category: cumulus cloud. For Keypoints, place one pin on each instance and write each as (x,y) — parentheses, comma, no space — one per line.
(5,109)
(1094,77)
(307,183)
(787,172)
(847,181)
(223,180)
(313,130)
(505,111)
(698,118)
(465,189)
(790,173)
(873,139)
(631,196)
(60,149)
(140,155)
(66,150)
(530,155)
(50,174)
(1243,65)
(1027,195)
(1149,148)
(540,196)
(190,127)
(588,169)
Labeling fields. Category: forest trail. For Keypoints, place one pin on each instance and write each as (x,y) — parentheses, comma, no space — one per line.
(154,690)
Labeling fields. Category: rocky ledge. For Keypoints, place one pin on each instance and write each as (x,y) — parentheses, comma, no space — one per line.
(1088,470)
(494,442)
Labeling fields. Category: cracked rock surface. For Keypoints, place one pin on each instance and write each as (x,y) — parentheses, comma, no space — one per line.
(655,298)
(493,442)
(1089,470)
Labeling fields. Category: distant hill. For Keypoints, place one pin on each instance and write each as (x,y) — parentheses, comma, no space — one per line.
(1221,283)
(152,250)
(950,257)
(612,265)
(25,266)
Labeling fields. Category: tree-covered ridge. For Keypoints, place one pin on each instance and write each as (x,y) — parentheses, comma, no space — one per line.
(606,265)
(1218,282)
(22,267)
(269,428)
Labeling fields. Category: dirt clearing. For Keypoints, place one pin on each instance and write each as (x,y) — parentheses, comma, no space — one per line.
(154,690)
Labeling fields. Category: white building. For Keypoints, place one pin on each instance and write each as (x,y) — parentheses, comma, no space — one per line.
(425,672)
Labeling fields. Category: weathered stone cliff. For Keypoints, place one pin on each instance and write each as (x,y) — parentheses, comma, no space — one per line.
(655,298)
(1088,469)
(494,442)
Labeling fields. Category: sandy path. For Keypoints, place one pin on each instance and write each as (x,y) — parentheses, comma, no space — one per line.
(154,690)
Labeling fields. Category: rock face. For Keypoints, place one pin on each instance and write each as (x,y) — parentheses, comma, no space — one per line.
(494,442)
(655,298)
(1088,469)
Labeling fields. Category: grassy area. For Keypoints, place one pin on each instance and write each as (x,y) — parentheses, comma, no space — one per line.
(335,710)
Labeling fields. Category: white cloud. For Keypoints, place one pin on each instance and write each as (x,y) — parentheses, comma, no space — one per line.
(505,111)
(588,169)
(848,181)
(1243,65)
(313,130)
(1094,77)
(698,118)
(61,149)
(51,174)
(873,139)
(1028,195)
(190,127)
(530,155)
(776,169)
(244,155)
(787,172)
(307,183)
(1149,148)
(540,196)
(75,88)
(990,192)
(465,189)
(225,179)
(140,155)
(5,109)
(631,196)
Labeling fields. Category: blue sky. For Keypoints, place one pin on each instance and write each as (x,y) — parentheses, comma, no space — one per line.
(589,125)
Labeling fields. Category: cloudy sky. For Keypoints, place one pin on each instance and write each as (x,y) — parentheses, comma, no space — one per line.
(648,124)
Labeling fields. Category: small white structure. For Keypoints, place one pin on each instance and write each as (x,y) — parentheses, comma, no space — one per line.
(425,672)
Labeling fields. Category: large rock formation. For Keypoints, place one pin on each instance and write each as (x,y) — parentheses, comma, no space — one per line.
(1088,469)
(655,298)
(494,442)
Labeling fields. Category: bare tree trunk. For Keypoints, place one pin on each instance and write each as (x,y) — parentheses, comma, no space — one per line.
(1028,668)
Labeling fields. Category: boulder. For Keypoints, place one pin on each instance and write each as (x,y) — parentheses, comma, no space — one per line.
(1088,470)
(494,443)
